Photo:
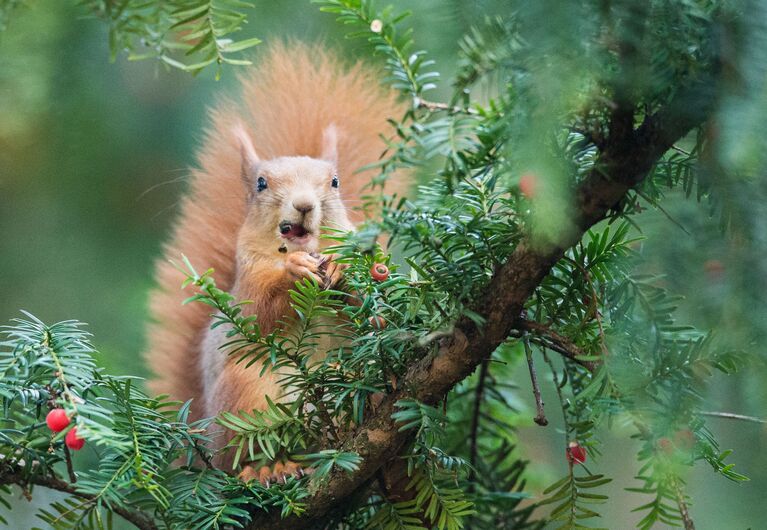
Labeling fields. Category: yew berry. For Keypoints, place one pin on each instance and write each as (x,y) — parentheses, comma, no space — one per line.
(73,441)
(379,272)
(684,439)
(57,420)
(666,446)
(377,322)
(528,184)
(576,453)
(714,268)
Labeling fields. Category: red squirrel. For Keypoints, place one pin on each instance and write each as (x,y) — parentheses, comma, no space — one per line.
(273,170)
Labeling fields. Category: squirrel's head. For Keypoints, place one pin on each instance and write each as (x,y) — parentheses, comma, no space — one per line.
(291,198)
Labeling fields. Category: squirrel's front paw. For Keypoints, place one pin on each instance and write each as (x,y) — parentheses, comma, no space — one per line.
(334,272)
(302,265)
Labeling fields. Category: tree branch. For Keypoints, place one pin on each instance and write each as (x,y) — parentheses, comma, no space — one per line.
(627,158)
(138,518)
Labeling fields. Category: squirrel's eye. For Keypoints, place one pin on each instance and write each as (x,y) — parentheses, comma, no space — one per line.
(334,182)
(261,184)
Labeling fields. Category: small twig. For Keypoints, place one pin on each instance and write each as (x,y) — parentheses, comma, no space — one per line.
(733,416)
(201,453)
(556,342)
(657,205)
(478,397)
(540,416)
(558,388)
(595,299)
(324,414)
(70,470)
(684,510)
(680,150)
(435,106)
(316,393)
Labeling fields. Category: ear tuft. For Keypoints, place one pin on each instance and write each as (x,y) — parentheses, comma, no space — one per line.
(330,144)
(248,157)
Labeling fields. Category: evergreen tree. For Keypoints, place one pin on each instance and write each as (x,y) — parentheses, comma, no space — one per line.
(566,120)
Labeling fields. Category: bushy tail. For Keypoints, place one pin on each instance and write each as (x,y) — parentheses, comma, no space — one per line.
(287,101)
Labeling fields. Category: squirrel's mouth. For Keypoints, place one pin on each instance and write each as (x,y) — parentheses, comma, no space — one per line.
(293,231)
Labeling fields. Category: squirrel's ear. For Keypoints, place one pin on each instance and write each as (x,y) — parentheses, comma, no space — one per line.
(330,144)
(248,157)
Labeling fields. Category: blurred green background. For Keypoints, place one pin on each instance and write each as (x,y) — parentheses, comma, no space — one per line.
(93,159)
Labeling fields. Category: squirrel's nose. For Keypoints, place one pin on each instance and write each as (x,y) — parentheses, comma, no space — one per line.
(303,206)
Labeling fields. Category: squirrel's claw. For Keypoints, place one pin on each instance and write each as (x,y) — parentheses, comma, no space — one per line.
(334,272)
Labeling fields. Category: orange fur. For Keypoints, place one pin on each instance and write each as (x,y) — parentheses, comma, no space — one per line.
(288,101)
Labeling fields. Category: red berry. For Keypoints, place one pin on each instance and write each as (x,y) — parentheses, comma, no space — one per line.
(576,453)
(73,441)
(379,272)
(714,269)
(666,446)
(377,322)
(684,439)
(57,420)
(528,184)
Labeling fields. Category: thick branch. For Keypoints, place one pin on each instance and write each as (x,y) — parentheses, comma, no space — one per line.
(138,518)
(625,162)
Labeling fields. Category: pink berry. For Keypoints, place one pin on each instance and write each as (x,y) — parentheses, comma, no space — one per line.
(379,272)
(576,453)
(528,184)
(714,269)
